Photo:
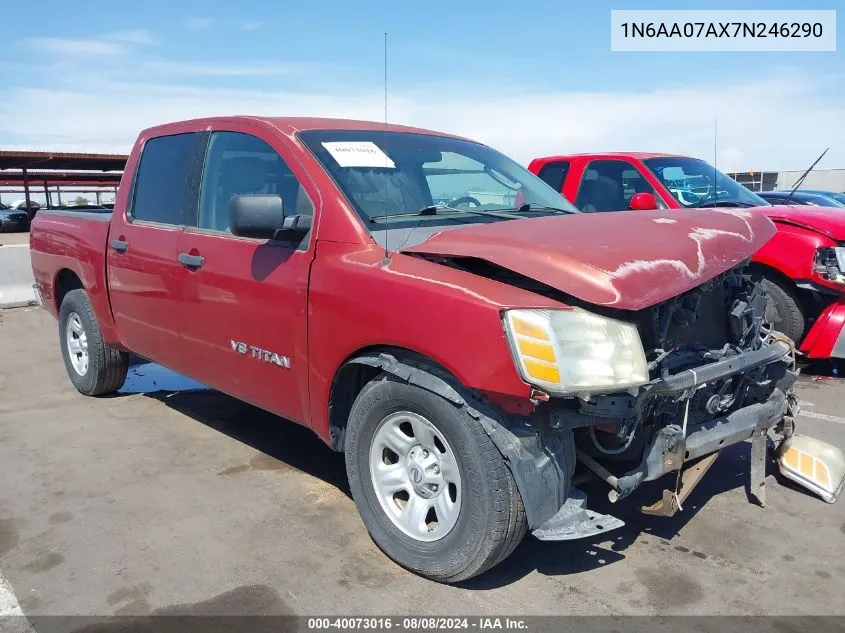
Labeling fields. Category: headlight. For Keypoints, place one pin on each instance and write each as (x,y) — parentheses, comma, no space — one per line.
(830,263)
(572,351)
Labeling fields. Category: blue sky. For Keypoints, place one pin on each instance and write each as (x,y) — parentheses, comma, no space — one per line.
(529,78)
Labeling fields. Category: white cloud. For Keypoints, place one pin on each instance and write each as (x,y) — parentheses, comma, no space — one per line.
(523,124)
(218,69)
(72,46)
(252,25)
(133,36)
(198,24)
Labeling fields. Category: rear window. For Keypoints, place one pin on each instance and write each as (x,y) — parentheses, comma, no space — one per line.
(163,180)
(553,174)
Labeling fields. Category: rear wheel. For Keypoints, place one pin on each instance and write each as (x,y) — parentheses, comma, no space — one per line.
(783,310)
(93,367)
(431,488)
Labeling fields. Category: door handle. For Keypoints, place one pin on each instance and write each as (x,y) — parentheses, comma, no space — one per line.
(191,261)
(120,246)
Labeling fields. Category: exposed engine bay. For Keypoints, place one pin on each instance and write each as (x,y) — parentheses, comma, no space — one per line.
(719,375)
(721,319)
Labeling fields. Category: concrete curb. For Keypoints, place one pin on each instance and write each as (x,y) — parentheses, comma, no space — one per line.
(16,278)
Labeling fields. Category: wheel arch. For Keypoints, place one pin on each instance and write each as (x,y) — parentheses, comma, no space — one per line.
(65,281)
(365,364)
(541,468)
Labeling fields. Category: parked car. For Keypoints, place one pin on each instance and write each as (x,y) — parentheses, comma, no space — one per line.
(20,205)
(805,197)
(13,219)
(803,266)
(460,357)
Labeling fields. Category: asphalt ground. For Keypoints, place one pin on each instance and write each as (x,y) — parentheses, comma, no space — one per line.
(170,498)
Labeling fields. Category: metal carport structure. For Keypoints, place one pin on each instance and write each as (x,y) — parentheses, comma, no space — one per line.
(56,169)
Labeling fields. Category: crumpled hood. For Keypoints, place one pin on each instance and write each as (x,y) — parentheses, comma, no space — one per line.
(628,259)
(827,220)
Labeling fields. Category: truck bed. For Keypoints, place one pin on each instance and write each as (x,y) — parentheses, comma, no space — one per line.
(67,246)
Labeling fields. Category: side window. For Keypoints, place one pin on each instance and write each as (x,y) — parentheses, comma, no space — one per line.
(609,185)
(553,174)
(163,181)
(238,164)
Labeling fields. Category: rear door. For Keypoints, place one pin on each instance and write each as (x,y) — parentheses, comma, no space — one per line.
(244,321)
(144,276)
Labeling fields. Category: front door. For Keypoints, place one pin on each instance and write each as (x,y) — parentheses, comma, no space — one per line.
(144,275)
(244,309)
(609,185)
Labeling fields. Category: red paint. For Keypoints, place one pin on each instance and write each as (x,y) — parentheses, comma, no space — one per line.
(827,329)
(579,255)
(800,232)
(337,297)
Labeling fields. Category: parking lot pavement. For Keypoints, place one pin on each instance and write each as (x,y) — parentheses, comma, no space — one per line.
(182,499)
(14,238)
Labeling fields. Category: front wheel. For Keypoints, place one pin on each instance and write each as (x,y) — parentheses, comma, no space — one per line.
(431,487)
(783,310)
(93,367)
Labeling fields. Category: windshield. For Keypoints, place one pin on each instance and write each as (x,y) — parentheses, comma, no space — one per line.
(839,197)
(390,177)
(830,195)
(696,183)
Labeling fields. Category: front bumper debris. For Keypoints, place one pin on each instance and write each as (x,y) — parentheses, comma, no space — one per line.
(670,450)
(690,447)
(574,521)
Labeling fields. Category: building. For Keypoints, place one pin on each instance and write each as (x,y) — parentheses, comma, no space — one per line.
(824,179)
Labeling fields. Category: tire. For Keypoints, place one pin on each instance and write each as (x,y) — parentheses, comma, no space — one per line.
(490,520)
(783,309)
(93,367)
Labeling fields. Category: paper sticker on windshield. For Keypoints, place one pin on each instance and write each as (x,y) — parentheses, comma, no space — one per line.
(358,154)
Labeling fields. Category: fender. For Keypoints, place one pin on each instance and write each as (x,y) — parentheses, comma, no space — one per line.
(541,459)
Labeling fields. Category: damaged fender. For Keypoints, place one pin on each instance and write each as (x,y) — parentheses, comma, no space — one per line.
(541,459)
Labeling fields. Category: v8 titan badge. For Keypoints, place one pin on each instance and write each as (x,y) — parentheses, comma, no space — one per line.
(261,354)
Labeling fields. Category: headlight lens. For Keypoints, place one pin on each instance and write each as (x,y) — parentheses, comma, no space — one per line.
(573,351)
(830,263)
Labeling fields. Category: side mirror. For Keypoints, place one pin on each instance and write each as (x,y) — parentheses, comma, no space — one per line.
(258,215)
(262,216)
(643,202)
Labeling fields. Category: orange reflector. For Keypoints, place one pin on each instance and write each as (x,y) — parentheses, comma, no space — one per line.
(526,328)
(536,349)
(790,458)
(814,464)
(806,465)
(541,371)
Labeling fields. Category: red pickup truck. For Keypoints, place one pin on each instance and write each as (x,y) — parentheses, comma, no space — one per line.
(434,311)
(803,266)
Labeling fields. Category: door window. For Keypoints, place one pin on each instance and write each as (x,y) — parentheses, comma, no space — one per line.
(238,164)
(609,185)
(163,182)
(553,174)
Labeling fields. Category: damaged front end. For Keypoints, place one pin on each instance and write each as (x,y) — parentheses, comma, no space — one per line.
(719,376)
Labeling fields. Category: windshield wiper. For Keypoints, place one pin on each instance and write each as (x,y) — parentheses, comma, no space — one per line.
(530,206)
(435,210)
(722,203)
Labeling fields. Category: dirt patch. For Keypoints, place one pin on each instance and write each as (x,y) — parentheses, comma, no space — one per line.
(31,603)
(668,589)
(9,534)
(44,563)
(265,462)
(124,594)
(60,517)
(241,609)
